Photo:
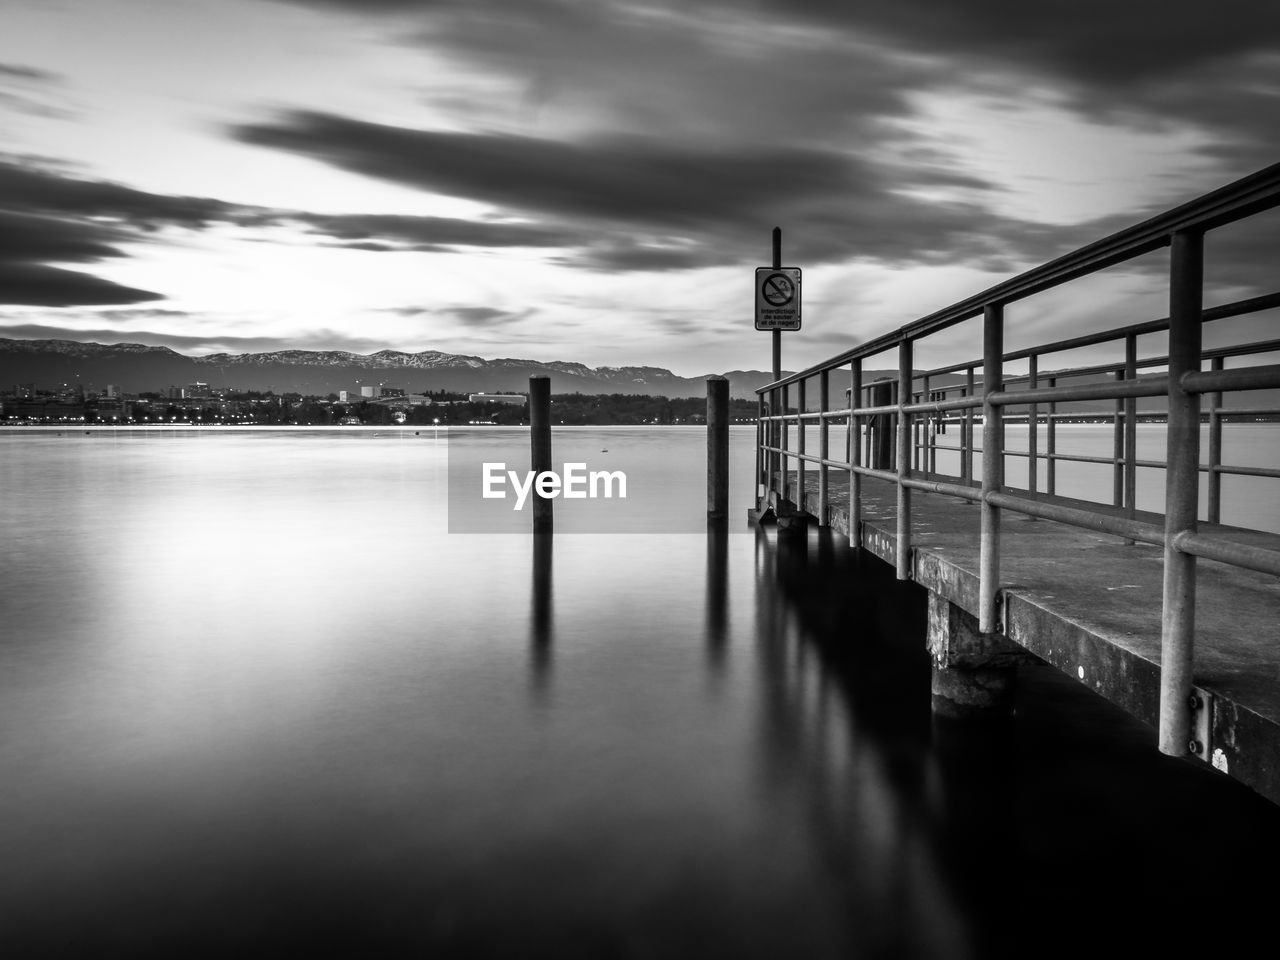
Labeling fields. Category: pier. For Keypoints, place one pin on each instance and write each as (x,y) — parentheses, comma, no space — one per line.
(1169,613)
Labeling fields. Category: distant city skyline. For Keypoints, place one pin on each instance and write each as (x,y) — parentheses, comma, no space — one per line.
(595,182)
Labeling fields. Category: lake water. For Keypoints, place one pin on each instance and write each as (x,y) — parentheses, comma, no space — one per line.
(257,700)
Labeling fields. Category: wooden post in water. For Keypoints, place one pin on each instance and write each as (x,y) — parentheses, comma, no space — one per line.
(540,446)
(717,451)
(882,426)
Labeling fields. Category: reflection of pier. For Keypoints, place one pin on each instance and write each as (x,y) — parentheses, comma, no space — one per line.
(1174,618)
(838,732)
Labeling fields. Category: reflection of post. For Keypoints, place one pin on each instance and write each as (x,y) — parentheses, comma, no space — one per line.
(540,446)
(717,591)
(717,450)
(540,608)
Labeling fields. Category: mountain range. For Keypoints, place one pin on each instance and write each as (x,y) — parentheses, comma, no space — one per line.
(137,368)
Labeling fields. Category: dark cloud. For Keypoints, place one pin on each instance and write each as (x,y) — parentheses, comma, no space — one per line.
(1098,41)
(466,316)
(31,90)
(25,188)
(832,70)
(635,204)
(487,316)
(13,71)
(28,238)
(390,232)
(49,217)
(37,284)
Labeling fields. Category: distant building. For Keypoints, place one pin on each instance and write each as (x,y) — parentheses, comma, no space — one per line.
(497,398)
(112,391)
(195,391)
(373,392)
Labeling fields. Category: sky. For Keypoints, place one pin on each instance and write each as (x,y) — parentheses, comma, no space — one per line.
(596,181)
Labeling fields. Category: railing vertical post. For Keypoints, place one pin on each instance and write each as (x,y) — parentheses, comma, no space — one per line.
(855,459)
(1033,432)
(966,432)
(717,450)
(904,460)
(540,447)
(1215,450)
(1117,450)
(775,427)
(784,468)
(926,428)
(992,465)
(1051,445)
(801,493)
(824,446)
(1186,272)
(759,444)
(1131,432)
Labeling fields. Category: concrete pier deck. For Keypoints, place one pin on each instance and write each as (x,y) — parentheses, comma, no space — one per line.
(1089,604)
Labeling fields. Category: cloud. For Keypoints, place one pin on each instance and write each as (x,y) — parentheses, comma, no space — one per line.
(49,217)
(390,232)
(812,71)
(38,284)
(633,203)
(31,90)
(466,316)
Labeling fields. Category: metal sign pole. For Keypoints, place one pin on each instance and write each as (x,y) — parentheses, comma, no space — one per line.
(777,333)
(778,426)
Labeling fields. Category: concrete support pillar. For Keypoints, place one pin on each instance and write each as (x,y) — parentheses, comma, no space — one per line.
(973,673)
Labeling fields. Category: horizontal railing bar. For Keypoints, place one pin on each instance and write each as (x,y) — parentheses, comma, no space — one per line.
(1244,471)
(886,475)
(875,411)
(1119,526)
(960,403)
(1238,378)
(941,486)
(1151,387)
(1228,551)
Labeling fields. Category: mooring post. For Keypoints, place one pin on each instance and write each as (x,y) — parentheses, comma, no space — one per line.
(717,450)
(540,446)
(881,426)
(1182,485)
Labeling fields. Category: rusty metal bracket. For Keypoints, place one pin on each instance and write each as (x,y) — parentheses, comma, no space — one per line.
(1200,703)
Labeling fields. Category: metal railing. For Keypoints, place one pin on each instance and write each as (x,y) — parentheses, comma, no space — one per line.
(918,406)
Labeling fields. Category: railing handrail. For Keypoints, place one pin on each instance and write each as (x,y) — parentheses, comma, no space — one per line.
(1249,195)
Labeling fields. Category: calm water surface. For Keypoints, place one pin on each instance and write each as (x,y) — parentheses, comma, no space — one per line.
(255,700)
